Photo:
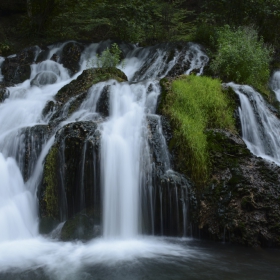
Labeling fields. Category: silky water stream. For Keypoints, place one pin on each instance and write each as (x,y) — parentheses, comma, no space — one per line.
(123,251)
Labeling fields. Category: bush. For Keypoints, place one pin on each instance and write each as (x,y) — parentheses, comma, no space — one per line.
(241,57)
(193,105)
(109,57)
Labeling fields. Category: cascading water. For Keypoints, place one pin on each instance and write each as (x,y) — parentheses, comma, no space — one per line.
(275,84)
(130,179)
(2,59)
(259,124)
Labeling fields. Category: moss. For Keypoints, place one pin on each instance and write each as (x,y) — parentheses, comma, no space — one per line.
(194,104)
(88,78)
(51,183)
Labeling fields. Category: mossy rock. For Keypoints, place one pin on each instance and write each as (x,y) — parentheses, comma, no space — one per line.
(88,78)
(80,227)
(77,91)
(49,193)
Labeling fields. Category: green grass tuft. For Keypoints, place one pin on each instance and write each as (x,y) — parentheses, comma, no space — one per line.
(195,104)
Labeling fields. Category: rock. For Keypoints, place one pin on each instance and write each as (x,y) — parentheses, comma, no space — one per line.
(71,54)
(70,97)
(81,227)
(74,188)
(241,202)
(171,204)
(4,93)
(16,69)
(103,103)
(44,78)
(35,138)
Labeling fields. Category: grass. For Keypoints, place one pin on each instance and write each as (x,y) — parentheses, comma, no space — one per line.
(195,104)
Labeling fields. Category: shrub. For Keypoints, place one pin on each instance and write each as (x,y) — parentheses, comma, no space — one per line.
(193,105)
(107,59)
(110,57)
(241,57)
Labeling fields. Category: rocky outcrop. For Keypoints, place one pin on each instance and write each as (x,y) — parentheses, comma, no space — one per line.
(169,195)
(71,174)
(4,93)
(71,96)
(16,69)
(241,202)
(70,56)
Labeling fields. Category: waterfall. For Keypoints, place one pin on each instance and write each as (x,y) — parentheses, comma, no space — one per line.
(275,84)
(259,124)
(20,115)
(2,59)
(121,160)
(135,169)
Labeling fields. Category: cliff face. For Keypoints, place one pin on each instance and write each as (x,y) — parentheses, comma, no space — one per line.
(240,201)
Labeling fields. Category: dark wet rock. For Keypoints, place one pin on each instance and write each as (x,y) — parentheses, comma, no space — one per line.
(75,187)
(80,227)
(157,143)
(55,57)
(88,78)
(43,55)
(171,205)
(35,138)
(47,224)
(71,54)
(177,59)
(17,69)
(44,78)
(241,202)
(49,109)
(103,103)
(70,97)
(4,93)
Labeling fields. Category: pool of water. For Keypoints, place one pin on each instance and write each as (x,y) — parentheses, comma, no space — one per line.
(139,258)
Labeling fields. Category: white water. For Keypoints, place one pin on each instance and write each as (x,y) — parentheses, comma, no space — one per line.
(122,139)
(260,127)
(2,59)
(124,157)
(275,84)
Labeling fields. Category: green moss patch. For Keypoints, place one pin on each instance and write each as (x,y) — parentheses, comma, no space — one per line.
(193,105)
(50,184)
(88,78)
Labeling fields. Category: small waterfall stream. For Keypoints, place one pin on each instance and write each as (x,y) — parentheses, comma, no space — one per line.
(275,84)
(260,127)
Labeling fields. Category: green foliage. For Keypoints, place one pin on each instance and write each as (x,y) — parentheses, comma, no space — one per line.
(241,57)
(263,14)
(134,21)
(110,57)
(193,105)
(4,48)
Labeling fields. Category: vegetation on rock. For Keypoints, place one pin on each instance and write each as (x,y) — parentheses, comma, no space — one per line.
(193,105)
(242,57)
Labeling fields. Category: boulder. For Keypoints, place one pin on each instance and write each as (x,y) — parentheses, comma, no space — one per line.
(16,69)
(241,202)
(70,97)
(4,93)
(44,78)
(67,191)
(71,54)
